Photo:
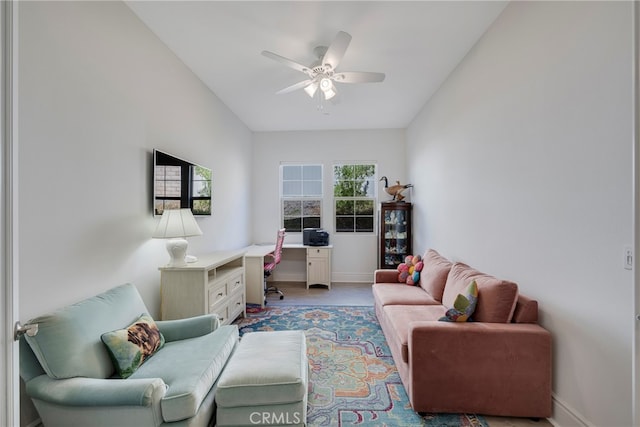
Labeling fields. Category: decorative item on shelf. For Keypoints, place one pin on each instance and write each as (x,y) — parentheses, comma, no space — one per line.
(395,190)
(175,225)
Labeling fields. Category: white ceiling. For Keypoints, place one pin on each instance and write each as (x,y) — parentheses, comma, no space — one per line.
(417,44)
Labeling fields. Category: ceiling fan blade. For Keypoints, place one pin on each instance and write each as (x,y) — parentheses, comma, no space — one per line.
(358,77)
(286,61)
(336,50)
(296,86)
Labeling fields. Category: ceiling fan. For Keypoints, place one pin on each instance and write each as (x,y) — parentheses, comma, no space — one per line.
(322,73)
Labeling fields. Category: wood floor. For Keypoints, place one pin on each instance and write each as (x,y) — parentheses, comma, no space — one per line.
(296,293)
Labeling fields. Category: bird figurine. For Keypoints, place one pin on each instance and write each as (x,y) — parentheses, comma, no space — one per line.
(395,190)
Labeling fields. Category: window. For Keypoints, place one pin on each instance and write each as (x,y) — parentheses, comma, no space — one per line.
(301,196)
(354,197)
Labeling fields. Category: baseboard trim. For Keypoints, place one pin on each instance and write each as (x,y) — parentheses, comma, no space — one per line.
(565,415)
(352,277)
(335,277)
(288,277)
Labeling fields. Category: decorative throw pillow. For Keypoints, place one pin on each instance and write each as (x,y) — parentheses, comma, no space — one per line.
(130,347)
(409,270)
(463,306)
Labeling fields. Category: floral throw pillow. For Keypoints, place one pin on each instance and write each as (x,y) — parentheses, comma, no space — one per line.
(463,306)
(129,348)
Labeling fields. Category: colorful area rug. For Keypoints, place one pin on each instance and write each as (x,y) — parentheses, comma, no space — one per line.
(353,378)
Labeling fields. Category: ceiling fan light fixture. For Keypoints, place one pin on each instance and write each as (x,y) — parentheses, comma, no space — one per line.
(322,74)
(326,85)
(329,93)
(311,89)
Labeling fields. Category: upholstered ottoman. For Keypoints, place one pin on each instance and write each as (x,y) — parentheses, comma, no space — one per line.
(265,382)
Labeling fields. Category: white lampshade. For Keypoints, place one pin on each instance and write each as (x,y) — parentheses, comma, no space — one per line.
(175,225)
(311,89)
(327,88)
(328,94)
(325,84)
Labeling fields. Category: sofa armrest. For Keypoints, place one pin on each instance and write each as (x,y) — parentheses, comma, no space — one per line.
(385,276)
(488,363)
(191,327)
(499,346)
(81,391)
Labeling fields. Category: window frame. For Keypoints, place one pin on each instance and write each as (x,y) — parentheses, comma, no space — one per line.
(301,197)
(373,179)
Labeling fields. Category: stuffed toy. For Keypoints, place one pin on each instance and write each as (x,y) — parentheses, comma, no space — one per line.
(409,270)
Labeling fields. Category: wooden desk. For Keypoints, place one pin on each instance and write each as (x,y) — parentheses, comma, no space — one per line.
(318,266)
(254,272)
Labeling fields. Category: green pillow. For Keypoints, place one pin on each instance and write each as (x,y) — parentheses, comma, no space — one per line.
(463,306)
(131,347)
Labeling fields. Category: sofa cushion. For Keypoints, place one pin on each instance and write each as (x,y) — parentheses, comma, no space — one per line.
(398,294)
(189,368)
(526,310)
(130,347)
(463,306)
(68,342)
(496,297)
(399,318)
(434,273)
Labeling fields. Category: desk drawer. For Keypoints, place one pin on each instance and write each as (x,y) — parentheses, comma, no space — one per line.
(318,252)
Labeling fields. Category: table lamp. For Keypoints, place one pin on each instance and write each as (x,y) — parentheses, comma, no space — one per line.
(175,225)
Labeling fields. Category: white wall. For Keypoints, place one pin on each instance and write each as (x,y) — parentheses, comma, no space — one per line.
(98,91)
(523,168)
(354,255)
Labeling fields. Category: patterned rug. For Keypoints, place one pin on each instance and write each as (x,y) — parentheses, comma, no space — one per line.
(353,378)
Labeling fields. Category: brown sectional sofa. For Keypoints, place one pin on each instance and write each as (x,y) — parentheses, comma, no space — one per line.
(497,364)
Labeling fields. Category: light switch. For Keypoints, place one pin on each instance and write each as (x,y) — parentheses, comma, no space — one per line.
(628,258)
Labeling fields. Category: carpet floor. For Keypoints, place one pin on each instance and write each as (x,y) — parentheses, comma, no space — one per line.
(353,378)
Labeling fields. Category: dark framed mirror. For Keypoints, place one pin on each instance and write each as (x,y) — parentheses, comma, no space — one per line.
(178,183)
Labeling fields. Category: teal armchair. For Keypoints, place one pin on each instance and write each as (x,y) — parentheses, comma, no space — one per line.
(70,377)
